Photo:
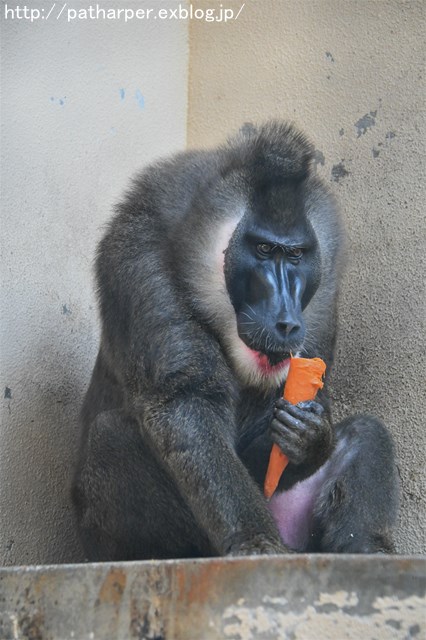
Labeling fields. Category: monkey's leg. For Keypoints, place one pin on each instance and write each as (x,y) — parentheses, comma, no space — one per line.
(127,506)
(357,503)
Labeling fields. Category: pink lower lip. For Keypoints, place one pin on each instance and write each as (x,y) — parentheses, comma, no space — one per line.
(265,366)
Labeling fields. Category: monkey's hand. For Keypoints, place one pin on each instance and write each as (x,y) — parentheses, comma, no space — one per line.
(258,545)
(303,433)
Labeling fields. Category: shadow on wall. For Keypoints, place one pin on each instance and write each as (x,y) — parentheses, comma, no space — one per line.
(40,442)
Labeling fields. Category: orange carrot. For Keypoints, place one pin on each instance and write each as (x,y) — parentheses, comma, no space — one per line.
(303,381)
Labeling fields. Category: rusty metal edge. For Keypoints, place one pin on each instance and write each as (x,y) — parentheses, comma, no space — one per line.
(297,559)
(172,599)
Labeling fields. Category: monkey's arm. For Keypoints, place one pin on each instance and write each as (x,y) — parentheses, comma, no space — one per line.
(188,433)
(177,386)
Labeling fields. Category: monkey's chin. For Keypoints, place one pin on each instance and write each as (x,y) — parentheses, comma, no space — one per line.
(265,365)
(254,368)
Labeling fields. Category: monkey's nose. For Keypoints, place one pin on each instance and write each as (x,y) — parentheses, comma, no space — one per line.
(287,327)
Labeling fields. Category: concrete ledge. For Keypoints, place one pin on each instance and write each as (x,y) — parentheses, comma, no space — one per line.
(298,597)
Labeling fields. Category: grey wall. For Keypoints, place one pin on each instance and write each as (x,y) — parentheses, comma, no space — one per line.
(83,106)
(351,74)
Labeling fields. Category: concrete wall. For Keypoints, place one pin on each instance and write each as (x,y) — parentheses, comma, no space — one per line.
(84,104)
(350,74)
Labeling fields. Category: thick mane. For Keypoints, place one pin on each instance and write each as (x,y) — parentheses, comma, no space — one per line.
(272,152)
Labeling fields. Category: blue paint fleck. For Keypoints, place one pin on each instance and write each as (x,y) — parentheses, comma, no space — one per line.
(8,393)
(60,101)
(65,310)
(122,94)
(139,97)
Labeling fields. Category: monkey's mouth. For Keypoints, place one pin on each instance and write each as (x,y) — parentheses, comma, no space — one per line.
(276,358)
(272,362)
(268,362)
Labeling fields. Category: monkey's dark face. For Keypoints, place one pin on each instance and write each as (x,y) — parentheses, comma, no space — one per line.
(271,274)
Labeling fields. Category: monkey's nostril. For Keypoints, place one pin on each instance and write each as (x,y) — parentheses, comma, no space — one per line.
(286,328)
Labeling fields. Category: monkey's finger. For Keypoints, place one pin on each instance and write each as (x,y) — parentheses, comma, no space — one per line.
(285,437)
(290,441)
(297,417)
(290,444)
(308,405)
(311,405)
(288,420)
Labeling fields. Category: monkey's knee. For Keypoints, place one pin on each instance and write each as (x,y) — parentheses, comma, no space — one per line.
(362,430)
(128,508)
(358,503)
(103,479)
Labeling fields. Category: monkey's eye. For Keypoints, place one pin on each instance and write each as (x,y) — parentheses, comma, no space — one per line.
(294,253)
(265,249)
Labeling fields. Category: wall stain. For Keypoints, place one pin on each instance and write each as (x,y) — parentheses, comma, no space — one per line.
(366,122)
(414,630)
(389,136)
(339,171)
(319,158)
(31,626)
(66,311)
(113,587)
(329,56)
(141,628)
(7,393)
(395,624)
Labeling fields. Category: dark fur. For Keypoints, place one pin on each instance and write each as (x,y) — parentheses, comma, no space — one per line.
(175,445)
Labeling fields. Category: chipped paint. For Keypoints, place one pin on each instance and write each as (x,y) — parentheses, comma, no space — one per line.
(338,171)
(113,587)
(319,158)
(366,122)
(299,597)
(339,598)
(60,101)
(242,623)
